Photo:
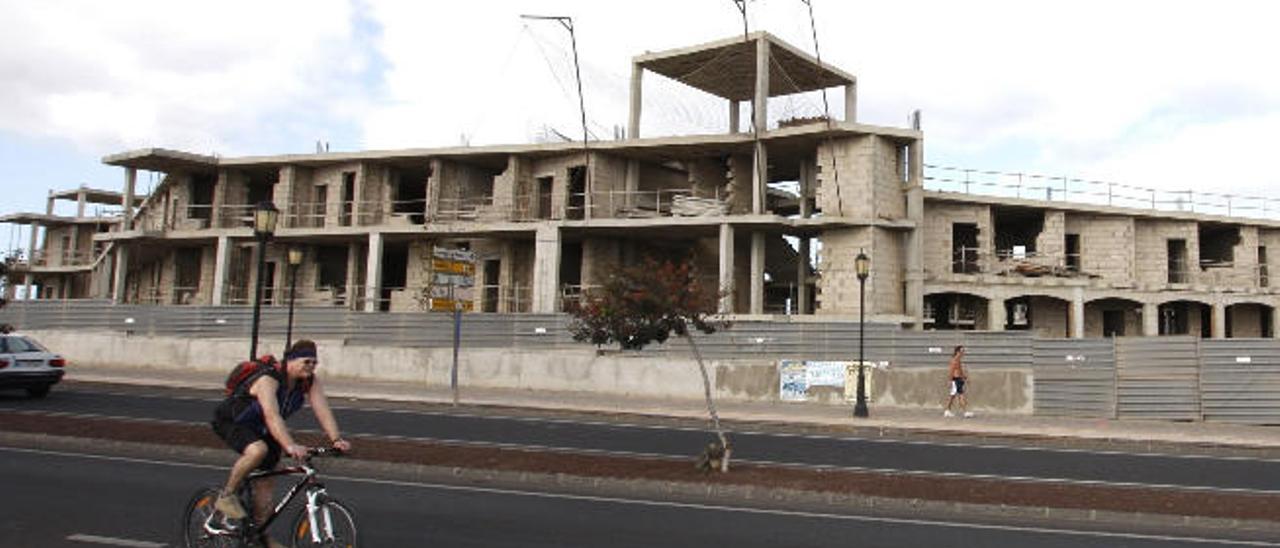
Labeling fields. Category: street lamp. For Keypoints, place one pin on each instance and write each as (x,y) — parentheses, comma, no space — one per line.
(862,264)
(295,260)
(265,216)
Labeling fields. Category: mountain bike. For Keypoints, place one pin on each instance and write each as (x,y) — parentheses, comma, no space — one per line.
(322,520)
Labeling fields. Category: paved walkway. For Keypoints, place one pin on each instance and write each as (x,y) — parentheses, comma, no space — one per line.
(1155,432)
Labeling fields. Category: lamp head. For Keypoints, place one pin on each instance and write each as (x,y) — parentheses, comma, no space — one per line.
(265,216)
(295,256)
(862,265)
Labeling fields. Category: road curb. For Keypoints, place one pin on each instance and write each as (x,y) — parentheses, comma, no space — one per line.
(748,496)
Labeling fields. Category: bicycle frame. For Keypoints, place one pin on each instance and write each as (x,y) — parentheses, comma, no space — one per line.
(314,490)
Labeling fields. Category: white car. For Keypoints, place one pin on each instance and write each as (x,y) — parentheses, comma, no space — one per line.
(27,365)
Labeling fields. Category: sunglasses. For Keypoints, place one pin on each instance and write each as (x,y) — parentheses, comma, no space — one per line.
(311,361)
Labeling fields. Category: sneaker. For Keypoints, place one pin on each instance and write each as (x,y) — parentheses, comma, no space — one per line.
(968,414)
(230,506)
(948,413)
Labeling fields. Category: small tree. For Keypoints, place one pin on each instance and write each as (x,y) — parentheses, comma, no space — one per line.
(643,304)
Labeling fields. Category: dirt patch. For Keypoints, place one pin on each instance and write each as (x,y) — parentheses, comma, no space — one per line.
(901,486)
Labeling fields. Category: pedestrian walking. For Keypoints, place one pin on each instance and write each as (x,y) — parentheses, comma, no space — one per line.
(959,376)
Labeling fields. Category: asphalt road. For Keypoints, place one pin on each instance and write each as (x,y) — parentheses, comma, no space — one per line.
(61,499)
(878,454)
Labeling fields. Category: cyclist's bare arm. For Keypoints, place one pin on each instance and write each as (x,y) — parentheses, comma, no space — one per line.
(324,414)
(265,390)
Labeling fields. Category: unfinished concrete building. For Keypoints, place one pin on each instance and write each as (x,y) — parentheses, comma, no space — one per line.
(773,214)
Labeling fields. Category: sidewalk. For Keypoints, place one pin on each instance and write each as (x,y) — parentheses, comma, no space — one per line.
(884,419)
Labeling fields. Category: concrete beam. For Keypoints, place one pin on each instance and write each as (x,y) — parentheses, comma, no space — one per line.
(546,270)
(726,269)
(221,260)
(373,273)
(757,272)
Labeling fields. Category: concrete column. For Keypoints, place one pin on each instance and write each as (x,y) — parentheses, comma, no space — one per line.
(130,181)
(915,239)
(632,183)
(27,282)
(851,102)
(121,273)
(637,88)
(726,269)
(353,269)
(546,270)
(49,203)
(1150,319)
(282,196)
(373,273)
(735,108)
(1218,321)
(31,248)
(80,197)
(808,174)
(757,272)
(997,316)
(221,260)
(1077,313)
(760,172)
(802,278)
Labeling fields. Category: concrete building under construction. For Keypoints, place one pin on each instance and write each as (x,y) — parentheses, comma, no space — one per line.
(773,214)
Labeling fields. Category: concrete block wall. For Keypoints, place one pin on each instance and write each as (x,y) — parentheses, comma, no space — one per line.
(1243,273)
(1151,255)
(738,185)
(608,185)
(707,178)
(838,281)
(888,272)
(208,261)
(890,178)
(1049,317)
(599,257)
(331,178)
(1051,244)
(505,184)
(850,164)
(558,169)
(938,220)
(1246,320)
(1107,246)
(1093,314)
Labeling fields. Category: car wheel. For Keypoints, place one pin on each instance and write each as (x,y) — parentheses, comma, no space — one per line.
(39,391)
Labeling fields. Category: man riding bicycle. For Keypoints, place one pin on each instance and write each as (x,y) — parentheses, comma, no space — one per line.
(251,420)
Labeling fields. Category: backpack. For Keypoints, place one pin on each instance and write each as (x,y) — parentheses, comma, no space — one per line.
(247,370)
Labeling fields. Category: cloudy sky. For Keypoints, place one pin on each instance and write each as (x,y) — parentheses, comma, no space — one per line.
(1168,94)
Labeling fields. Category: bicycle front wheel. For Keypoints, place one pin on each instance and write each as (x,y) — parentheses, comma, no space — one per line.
(199,510)
(334,525)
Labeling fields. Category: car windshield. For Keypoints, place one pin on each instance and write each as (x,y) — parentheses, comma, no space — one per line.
(15,345)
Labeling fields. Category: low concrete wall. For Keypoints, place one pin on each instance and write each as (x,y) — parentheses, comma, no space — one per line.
(571,369)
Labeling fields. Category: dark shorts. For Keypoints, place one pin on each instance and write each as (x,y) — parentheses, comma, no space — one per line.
(957,386)
(239,436)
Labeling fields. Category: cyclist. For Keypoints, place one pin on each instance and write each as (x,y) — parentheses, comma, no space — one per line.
(252,422)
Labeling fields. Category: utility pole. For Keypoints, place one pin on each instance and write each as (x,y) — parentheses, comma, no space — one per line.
(567,23)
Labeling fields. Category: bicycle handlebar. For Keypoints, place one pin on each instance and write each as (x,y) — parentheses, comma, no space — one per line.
(324,451)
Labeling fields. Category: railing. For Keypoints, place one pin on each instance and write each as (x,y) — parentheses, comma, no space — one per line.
(63,258)
(1005,262)
(1085,191)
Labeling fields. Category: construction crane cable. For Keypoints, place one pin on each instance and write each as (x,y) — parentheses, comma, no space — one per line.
(826,110)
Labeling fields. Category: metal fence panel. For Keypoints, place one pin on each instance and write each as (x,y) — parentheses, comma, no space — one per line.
(1240,380)
(1158,378)
(1075,377)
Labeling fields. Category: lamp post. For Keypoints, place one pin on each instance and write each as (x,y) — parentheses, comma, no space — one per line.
(862,264)
(295,260)
(265,215)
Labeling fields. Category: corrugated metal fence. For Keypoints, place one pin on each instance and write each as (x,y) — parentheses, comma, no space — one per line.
(1172,378)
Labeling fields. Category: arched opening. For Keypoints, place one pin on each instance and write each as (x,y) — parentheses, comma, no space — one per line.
(1249,320)
(1184,318)
(1112,317)
(954,311)
(1040,314)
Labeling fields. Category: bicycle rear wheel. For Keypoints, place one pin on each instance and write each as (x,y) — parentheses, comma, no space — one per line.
(199,510)
(335,526)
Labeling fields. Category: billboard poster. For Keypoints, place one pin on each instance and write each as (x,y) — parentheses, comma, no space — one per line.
(452,280)
(793,383)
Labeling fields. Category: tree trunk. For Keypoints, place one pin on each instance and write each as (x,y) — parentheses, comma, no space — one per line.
(711,406)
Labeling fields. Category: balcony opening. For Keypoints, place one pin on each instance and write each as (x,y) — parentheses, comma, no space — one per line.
(200,202)
(411,194)
(964,248)
(1264,278)
(395,269)
(1072,262)
(492,269)
(1177,252)
(577,199)
(331,273)
(1017,230)
(347,198)
(545,186)
(1217,245)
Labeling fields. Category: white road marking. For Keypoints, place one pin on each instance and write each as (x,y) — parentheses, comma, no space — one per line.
(112,541)
(694,506)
